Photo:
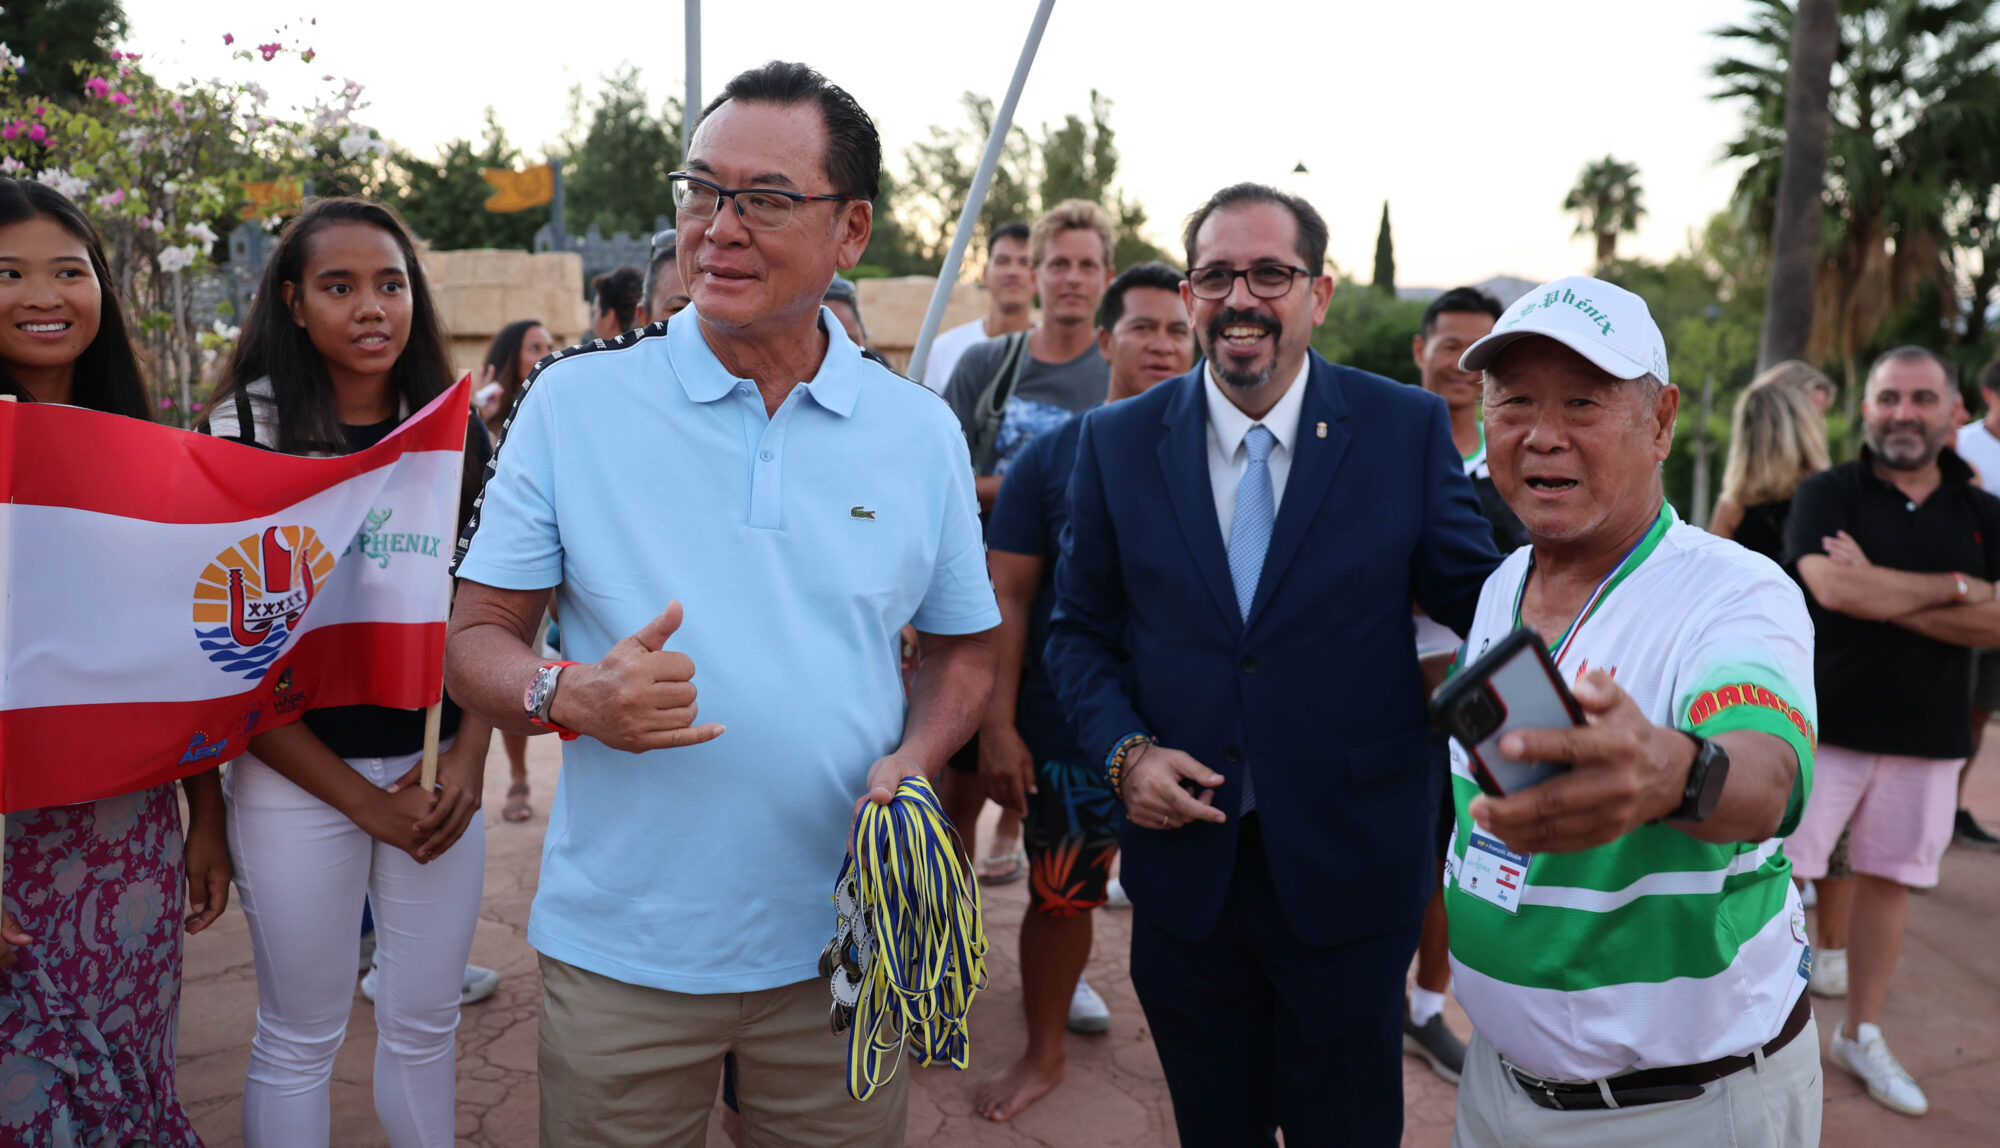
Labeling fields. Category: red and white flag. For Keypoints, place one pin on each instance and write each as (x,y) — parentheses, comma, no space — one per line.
(168,595)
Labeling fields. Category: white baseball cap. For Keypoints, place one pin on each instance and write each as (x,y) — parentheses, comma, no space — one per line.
(1608,325)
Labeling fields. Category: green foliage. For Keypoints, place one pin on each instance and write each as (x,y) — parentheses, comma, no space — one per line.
(1370,331)
(55,37)
(1385,256)
(1077,159)
(615,176)
(445,201)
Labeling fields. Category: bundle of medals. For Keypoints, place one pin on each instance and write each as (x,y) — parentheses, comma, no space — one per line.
(908,952)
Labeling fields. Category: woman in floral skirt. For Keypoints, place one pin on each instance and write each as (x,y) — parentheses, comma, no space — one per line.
(95,905)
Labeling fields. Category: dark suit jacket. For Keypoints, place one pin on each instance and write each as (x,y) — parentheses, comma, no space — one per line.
(1319,693)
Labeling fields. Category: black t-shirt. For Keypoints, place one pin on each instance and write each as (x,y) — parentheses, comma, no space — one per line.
(1882,688)
(1763,528)
(377,731)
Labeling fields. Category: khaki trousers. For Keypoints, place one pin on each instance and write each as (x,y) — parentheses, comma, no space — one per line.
(623,1066)
(1775,1106)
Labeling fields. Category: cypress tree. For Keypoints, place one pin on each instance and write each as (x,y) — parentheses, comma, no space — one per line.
(1385,256)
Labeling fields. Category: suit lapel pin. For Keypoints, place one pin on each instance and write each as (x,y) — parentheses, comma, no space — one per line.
(1321,430)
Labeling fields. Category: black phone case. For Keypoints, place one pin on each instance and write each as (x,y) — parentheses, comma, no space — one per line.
(1448,702)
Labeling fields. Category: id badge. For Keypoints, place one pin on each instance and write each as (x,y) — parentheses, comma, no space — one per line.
(1492,872)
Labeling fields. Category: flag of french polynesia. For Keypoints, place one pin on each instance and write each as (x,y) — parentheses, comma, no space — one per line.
(168,595)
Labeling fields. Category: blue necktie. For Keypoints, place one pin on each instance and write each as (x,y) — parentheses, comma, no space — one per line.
(1250,537)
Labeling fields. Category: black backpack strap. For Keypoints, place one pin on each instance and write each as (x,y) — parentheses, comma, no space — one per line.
(993,401)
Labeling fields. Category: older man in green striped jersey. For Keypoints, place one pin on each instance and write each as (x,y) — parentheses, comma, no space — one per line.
(1625,937)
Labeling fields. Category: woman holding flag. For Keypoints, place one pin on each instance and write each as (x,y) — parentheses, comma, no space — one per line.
(342,344)
(90,938)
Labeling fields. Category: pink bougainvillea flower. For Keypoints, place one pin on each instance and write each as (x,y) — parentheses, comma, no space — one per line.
(166,404)
(271,49)
(120,98)
(38,133)
(197,408)
(308,56)
(111,199)
(228,38)
(117,55)
(10,131)
(97,85)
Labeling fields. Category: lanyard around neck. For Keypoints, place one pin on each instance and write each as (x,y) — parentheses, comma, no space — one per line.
(1632,560)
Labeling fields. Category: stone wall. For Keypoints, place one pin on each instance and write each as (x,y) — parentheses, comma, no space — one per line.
(479,292)
(893,309)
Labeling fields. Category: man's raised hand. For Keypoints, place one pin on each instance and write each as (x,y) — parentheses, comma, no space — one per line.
(1625,772)
(641,696)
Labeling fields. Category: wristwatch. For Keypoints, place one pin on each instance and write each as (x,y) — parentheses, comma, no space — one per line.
(1706,777)
(1961,585)
(541,695)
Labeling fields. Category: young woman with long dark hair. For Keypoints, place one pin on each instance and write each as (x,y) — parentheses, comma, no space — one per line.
(342,344)
(97,894)
(509,357)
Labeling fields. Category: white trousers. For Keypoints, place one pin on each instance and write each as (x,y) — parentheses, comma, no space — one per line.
(302,870)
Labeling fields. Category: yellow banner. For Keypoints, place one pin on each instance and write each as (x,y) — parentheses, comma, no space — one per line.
(273,197)
(519,190)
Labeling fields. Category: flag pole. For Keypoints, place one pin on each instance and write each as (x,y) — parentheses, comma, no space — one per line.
(975,199)
(434,716)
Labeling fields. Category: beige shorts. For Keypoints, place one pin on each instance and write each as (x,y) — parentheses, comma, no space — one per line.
(623,1066)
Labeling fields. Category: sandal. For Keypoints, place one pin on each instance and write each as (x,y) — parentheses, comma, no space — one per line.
(517,807)
(1004,868)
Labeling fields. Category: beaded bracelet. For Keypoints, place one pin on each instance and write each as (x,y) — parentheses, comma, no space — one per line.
(1114,765)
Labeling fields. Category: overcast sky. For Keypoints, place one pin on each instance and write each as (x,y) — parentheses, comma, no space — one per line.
(1471,118)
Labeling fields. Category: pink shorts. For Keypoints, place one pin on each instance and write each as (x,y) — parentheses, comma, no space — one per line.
(1898,810)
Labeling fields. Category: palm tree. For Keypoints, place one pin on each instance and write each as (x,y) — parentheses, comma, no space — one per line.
(1608,202)
(1795,225)
(1910,169)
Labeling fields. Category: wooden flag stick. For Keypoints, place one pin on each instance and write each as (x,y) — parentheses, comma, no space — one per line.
(432,717)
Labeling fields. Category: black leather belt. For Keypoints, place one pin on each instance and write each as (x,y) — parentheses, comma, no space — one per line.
(1658,1085)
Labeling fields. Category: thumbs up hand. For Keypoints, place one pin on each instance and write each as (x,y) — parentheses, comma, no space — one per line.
(641,696)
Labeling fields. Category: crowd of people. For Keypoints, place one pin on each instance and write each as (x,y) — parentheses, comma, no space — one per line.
(1162,583)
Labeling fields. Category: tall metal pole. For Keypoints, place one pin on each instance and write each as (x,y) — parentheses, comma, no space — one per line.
(975,199)
(692,108)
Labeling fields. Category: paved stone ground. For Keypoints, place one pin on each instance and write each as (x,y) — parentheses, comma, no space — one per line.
(1943,1020)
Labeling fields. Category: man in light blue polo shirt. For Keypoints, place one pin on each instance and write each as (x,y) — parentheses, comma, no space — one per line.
(795,527)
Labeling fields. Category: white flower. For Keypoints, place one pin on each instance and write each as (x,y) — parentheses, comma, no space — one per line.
(201,233)
(8,60)
(9,165)
(178,258)
(361,140)
(66,184)
(224,330)
(170,186)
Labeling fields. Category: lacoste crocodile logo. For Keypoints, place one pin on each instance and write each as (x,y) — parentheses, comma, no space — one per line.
(863,513)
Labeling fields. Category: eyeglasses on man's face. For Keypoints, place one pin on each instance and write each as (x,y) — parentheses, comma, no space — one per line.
(1266,280)
(760,208)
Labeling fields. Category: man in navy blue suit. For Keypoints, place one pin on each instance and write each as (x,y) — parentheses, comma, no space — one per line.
(1233,632)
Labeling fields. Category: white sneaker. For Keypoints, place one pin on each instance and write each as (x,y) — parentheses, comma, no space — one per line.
(479,983)
(1087,1011)
(1829,973)
(1870,1061)
(1114,895)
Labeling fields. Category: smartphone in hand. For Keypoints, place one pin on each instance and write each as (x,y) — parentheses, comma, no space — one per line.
(1515,685)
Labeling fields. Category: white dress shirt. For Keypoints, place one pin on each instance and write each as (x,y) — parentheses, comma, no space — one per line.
(1227,456)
